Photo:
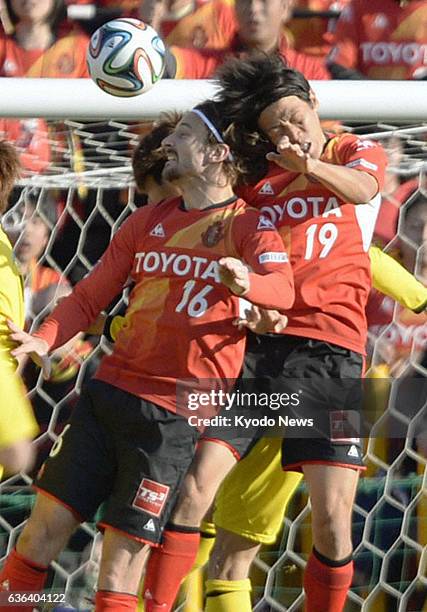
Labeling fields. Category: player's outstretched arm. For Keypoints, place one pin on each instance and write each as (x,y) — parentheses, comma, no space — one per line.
(35,347)
(392,279)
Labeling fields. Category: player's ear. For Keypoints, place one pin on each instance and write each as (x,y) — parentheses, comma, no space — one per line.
(313,100)
(218,152)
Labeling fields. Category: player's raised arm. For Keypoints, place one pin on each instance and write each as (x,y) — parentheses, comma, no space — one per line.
(357,179)
(77,311)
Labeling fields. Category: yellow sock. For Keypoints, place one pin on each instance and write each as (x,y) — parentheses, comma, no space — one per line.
(207,540)
(228,596)
(207,528)
(192,587)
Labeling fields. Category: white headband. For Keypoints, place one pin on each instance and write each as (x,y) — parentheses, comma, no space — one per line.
(211,128)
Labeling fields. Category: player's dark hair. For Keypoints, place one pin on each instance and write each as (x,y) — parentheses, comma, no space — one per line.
(56,16)
(149,157)
(248,86)
(10,170)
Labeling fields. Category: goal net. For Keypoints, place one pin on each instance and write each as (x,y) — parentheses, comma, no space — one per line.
(78,182)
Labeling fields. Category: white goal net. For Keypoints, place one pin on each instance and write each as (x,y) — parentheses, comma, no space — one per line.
(79,183)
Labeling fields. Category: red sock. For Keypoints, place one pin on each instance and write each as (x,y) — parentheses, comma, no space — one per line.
(326,585)
(114,602)
(167,567)
(21,574)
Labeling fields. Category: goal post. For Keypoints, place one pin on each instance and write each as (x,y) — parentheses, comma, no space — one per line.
(403,101)
(87,179)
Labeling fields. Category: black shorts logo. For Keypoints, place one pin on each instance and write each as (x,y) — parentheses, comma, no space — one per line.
(151,496)
(344,426)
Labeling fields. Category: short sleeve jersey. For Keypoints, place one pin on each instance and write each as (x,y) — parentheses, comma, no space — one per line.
(328,241)
(382,39)
(179,322)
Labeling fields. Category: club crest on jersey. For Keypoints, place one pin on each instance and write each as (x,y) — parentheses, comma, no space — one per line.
(264,223)
(158,231)
(213,234)
(151,496)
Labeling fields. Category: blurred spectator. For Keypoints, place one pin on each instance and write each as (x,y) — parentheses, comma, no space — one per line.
(42,284)
(260,29)
(381,39)
(91,14)
(402,337)
(413,233)
(394,194)
(213,25)
(31,139)
(36,49)
(392,200)
(313,35)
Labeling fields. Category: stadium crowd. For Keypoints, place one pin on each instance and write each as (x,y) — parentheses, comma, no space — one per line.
(353,39)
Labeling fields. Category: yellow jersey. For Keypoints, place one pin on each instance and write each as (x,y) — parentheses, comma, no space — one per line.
(17,421)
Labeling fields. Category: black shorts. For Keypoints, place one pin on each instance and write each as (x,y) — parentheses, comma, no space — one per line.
(240,437)
(124,451)
(328,380)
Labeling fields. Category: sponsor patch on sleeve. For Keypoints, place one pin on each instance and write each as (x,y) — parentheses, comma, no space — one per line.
(362,162)
(273,257)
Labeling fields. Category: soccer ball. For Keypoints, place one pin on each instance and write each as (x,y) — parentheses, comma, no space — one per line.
(126,57)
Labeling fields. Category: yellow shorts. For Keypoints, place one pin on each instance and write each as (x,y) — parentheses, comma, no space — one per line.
(252,499)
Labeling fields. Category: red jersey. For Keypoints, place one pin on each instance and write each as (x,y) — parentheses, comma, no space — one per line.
(382,39)
(327,240)
(202,63)
(179,322)
(65,58)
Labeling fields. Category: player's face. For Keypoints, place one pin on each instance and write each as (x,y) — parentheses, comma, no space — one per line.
(261,21)
(185,149)
(33,10)
(296,119)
